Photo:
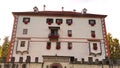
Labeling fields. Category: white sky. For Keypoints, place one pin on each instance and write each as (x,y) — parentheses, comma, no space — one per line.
(107,7)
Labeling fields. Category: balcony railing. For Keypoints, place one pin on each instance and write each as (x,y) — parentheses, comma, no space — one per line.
(53,36)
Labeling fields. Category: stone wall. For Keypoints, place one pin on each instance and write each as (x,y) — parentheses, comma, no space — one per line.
(44,65)
(20,65)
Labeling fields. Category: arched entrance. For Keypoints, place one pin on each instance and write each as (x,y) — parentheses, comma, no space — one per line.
(56,65)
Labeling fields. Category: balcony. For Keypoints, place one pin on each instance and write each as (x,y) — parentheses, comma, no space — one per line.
(53,33)
(53,36)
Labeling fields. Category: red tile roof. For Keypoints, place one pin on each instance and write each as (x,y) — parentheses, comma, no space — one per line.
(59,14)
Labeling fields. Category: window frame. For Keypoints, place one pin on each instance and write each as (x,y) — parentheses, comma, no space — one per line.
(26,20)
(48,45)
(92,22)
(69,45)
(70,33)
(69,21)
(58,45)
(59,21)
(93,34)
(25,31)
(49,21)
(22,43)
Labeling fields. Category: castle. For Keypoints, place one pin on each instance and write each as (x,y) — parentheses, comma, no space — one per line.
(58,38)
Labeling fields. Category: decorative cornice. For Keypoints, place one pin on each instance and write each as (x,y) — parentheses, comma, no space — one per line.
(59,14)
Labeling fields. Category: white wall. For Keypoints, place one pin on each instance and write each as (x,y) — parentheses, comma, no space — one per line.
(38,33)
(38,27)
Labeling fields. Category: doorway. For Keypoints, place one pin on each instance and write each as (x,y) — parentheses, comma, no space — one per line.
(56,65)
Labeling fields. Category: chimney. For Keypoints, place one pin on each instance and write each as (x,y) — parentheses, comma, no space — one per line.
(44,7)
(74,10)
(84,11)
(62,8)
(35,9)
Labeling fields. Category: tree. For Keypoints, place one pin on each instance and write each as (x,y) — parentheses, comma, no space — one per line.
(4,51)
(0,50)
(114,47)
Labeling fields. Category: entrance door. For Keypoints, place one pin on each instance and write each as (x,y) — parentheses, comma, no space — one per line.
(56,65)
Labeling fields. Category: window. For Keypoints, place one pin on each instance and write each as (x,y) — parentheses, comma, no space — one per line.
(69,45)
(96,61)
(92,22)
(22,44)
(26,20)
(69,33)
(58,45)
(36,59)
(82,60)
(54,32)
(12,59)
(90,60)
(24,66)
(13,66)
(93,34)
(59,21)
(6,65)
(21,59)
(49,21)
(28,59)
(69,21)
(48,45)
(25,31)
(47,66)
(95,46)
(72,59)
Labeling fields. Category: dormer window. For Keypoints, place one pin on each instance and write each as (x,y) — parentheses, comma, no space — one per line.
(59,21)
(92,22)
(49,21)
(26,20)
(69,21)
(54,32)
